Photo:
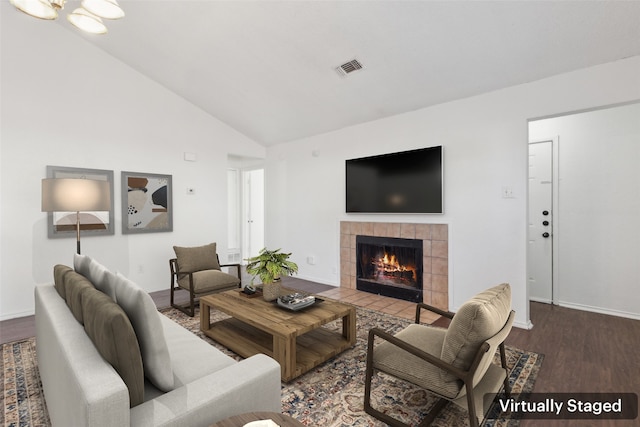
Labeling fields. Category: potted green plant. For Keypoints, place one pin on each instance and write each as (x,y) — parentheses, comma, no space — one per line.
(270,266)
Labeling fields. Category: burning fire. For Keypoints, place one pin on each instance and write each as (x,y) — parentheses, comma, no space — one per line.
(389,265)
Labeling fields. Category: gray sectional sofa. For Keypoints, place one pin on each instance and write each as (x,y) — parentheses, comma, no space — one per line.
(107,357)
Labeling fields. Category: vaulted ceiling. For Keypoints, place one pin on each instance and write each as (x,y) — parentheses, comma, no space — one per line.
(267,68)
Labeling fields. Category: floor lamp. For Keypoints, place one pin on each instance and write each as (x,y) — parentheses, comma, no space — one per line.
(75,195)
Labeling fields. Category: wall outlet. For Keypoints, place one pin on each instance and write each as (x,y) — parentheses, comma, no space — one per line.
(311,260)
(507,193)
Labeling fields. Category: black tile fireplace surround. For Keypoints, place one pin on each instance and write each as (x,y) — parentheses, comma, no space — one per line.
(390,267)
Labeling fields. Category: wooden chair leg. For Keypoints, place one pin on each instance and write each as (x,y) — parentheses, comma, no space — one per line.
(471,407)
(433,413)
(189,310)
(192,310)
(371,410)
(503,360)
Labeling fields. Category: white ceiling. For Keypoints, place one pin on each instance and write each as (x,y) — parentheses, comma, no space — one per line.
(267,68)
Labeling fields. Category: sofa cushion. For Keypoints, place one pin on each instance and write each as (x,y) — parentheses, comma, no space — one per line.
(111,332)
(183,345)
(103,279)
(58,278)
(142,312)
(477,320)
(74,286)
(197,258)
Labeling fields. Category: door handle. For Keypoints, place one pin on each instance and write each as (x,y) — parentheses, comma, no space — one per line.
(545,235)
(545,223)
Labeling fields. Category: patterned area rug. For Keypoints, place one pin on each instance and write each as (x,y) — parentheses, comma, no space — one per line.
(331,395)
(21,391)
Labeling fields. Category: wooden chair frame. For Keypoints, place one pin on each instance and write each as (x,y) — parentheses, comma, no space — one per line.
(465,376)
(190,309)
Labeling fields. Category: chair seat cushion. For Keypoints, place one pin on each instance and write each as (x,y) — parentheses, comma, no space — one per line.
(209,281)
(399,363)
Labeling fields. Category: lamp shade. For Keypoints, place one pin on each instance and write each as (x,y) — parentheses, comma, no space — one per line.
(108,9)
(42,9)
(75,194)
(87,21)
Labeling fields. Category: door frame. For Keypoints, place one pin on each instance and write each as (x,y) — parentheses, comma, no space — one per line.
(246,215)
(555,212)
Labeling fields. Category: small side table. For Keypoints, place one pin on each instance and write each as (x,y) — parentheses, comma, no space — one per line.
(242,419)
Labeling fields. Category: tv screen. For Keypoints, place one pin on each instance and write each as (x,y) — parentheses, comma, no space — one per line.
(404,182)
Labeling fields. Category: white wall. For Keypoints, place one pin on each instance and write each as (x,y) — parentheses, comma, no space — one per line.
(67,103)
(485,148)
(596,223)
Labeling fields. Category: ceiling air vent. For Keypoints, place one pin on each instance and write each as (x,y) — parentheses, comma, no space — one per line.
(349,67)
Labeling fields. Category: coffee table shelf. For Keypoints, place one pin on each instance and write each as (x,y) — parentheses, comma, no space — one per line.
(295,339)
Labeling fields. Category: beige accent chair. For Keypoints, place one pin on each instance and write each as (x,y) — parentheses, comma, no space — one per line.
(198,271)
(455,363)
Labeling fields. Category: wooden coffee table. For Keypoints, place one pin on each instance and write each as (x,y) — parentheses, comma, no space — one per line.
(295,339)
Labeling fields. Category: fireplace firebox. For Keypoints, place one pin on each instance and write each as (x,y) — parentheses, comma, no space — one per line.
(389,266)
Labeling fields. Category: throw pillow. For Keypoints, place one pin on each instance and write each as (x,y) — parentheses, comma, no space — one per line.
(197,258)
(144,316)
(58,278)
(111,332)
(81,264)
(103,279)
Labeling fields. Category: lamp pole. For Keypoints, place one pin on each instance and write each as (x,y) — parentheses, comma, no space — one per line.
(78,231)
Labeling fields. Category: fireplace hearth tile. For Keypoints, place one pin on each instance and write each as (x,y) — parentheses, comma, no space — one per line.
(439,232)
(440,249)
(426,264)
(439,283)
(426,248)
(423,231)
(440,300)
(408,231)
(440,266)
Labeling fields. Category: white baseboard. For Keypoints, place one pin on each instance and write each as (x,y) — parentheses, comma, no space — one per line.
(17,315)
(523,325)
(601,310)
(542,300)
(317,280)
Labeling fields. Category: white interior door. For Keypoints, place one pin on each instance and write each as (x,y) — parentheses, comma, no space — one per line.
(253,210)
(540,235)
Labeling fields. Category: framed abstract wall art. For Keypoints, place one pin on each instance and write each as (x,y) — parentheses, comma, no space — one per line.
(63,224)
(146,203)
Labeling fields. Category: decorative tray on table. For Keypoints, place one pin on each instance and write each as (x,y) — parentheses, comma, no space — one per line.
(296,301)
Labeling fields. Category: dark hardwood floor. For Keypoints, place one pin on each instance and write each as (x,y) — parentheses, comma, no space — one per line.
(584,351)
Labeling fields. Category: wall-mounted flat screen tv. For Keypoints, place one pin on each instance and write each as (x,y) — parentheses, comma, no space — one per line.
(404,182)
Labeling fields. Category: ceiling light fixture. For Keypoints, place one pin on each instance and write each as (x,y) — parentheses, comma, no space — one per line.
(87,21)
(87,18)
